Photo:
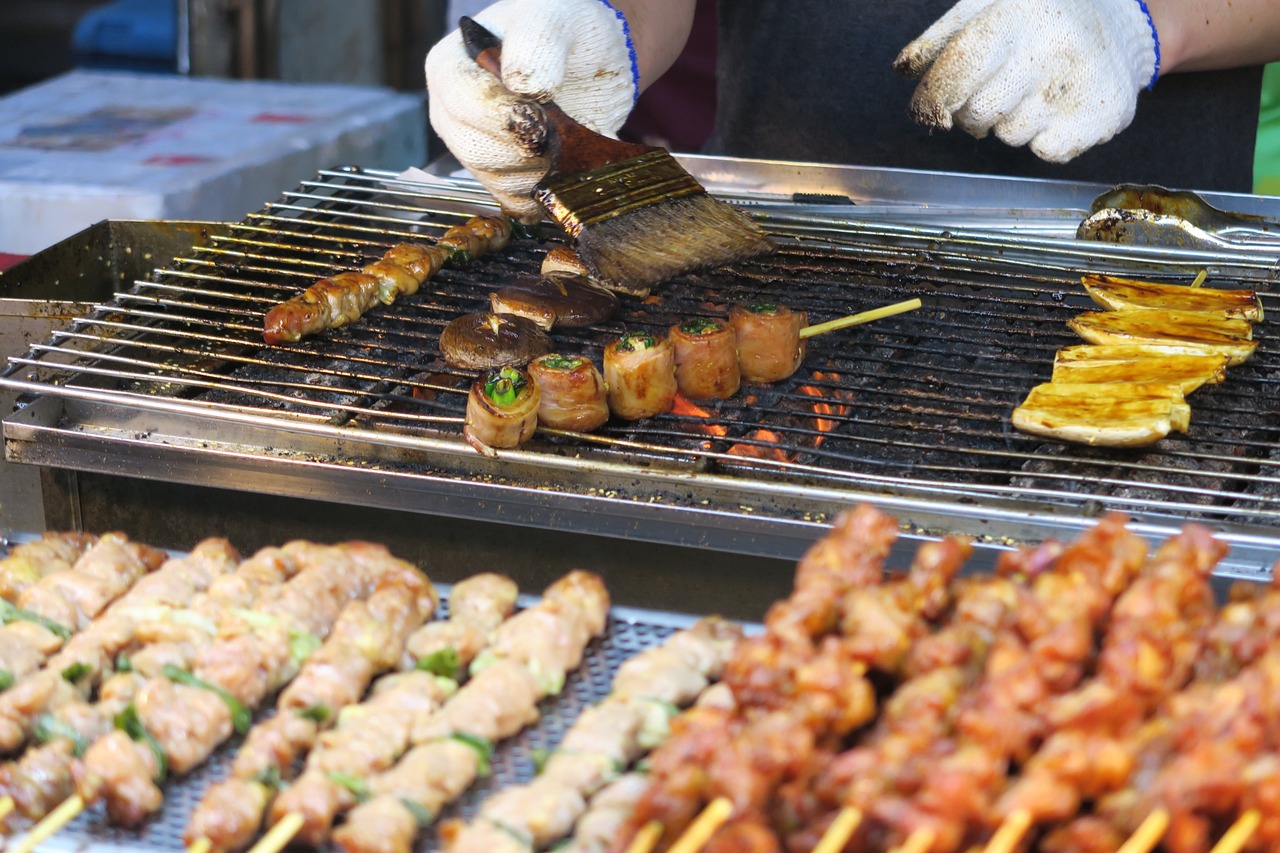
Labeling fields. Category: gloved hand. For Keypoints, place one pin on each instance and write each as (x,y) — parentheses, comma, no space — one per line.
(575,52)
(1058,75)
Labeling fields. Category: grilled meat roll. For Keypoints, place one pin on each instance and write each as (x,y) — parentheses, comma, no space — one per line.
(706,359)
(573,392)
(769,343)
(502,410)
(640,372)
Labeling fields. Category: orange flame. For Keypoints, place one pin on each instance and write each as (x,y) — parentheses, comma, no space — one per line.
(828,405)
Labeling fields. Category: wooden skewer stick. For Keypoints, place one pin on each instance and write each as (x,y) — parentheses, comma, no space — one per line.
(52,823)
(840,831)
(704,826)
(859,318)
(279,836)
(200,845)
(1148,834)
(1200,277)
(1235,838)
(647,838)
(1011,830)
(919,841)
(6,806)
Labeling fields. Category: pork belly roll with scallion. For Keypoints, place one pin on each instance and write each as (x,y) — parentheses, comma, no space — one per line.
(502,410)
(769,344)
(640,372)
(573,392)
(706,358)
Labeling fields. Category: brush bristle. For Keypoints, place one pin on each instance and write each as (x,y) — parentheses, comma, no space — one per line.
(671,237)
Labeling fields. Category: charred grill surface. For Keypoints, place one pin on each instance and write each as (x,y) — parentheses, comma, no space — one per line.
(918,400)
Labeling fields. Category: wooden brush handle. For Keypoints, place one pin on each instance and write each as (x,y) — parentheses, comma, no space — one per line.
(571,147)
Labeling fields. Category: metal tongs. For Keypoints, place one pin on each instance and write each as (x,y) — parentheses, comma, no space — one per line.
(1155,216)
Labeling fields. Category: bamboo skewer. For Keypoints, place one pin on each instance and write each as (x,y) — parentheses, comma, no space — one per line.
(860,318)
(919,841)
(1010,833)
(840,831)
(704,826)
(647,838)
(1238,835)
(200,845)
(6,806)
(53,822)
(279,835)
(1148,834)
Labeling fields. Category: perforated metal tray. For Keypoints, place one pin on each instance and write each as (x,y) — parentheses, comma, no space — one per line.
(629,631)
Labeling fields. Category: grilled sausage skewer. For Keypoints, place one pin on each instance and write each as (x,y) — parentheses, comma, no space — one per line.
(345,297)
(531,654)
(51,610)
(231,813)
(604,739)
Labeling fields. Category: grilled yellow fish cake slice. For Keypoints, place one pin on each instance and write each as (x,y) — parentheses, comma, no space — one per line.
(1188,372)
(1116,294)
(1113,414)
(1229,336)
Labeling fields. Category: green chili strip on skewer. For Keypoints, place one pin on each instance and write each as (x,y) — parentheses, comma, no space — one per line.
(11,613)
(241,717)
(444,663)
(130,723)
(503,386)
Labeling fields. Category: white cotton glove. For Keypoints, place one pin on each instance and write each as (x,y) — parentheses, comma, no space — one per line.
(1058,75)
(575,52)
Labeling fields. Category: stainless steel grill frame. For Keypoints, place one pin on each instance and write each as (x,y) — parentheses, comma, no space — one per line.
(170,381)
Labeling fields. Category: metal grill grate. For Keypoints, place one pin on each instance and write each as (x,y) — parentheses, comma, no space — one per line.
(915,405)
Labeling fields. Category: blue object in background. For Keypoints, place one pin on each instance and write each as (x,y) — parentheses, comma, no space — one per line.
(128,35)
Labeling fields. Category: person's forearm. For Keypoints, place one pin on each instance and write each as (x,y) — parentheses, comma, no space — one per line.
(1202,35)
(659,30)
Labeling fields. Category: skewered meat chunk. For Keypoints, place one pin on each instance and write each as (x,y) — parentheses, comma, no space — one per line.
(556,300)
(573,392)
(706,359)
(28,562)
(485,340)
(502,410)
(343,298)
(769,344)
(477,605)
(640,374)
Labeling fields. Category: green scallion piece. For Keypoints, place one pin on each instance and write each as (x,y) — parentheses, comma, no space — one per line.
(555,361)
(358,787)
(503,386)
(540,756)
(241,717)
(124,664)
(420,813)
(11,613)
(701,326)
(763,308)
(76,671)
(483,749)
(319,714)
(6,679)
(130,723)
(49,728)
(270,778)
(635,342)
(444,662)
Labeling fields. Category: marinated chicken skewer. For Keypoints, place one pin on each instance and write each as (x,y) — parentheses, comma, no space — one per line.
(180,716)
(605,738)
(1191,760)
(531,654)
(231,813)
(42,778)
(334,302)
(51,610)
(768,674)
(1156,632)
(927,785)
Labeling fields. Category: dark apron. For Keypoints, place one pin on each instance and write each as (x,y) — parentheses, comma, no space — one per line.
(812,80)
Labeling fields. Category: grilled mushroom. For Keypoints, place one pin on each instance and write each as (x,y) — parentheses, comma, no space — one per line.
(556,299)
(485,340)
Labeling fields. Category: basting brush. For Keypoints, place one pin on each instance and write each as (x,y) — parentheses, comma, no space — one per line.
(636,215)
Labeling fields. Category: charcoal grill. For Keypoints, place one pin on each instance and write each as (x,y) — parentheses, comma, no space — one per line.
(170,380)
